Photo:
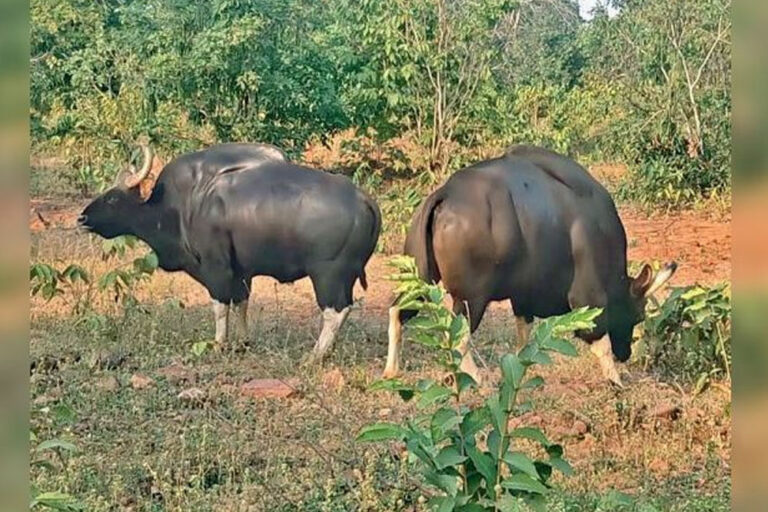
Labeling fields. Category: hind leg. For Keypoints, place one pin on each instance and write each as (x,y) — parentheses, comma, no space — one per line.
(523,328)
(333,291)
(475,313)
(242,291)
(395,334)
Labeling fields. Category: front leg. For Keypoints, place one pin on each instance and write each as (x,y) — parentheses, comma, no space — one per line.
(332,322)
(221,316)
(602,350)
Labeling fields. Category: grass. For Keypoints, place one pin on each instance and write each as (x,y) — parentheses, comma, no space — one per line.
(147,450)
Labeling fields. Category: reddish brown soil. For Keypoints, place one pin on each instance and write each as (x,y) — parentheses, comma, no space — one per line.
(700,244)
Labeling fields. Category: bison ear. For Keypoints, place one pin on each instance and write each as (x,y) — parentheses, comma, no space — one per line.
(642,282)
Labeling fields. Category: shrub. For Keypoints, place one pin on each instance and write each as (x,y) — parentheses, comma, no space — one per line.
(688,336)
(468,453)
(78,287)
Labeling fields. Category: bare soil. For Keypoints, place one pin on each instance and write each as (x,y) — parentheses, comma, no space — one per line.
(654,438)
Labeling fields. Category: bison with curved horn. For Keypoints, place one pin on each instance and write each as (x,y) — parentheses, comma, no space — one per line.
(234,211)
(535,228)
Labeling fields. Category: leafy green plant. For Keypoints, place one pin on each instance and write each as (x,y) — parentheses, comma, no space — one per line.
(53,500)
(469,454)
(688,335)
(120,282)
(48,282)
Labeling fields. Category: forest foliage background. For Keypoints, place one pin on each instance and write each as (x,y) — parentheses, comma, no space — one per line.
(423,86)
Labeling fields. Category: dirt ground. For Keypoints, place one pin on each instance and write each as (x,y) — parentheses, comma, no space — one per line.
(655,439)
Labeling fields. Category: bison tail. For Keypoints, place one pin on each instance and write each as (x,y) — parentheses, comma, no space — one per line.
(419,241)
(373,207)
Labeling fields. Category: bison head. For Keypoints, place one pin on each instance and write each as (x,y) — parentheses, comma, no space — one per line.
(110,214)
(624,317)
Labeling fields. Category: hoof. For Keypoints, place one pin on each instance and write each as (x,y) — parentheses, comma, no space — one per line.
(312,359)
(390,374)
(615,379)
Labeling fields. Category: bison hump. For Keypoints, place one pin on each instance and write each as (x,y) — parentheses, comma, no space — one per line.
(559,168)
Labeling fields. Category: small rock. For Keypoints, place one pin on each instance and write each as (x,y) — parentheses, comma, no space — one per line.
(107,360)
(176,374)
(579,428)
(270,388)
(109,384)
(385,412)
(139,381)
(333,380)
(192,395)
(659,466)
(666,410)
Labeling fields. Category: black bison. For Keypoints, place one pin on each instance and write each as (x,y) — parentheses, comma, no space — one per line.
(535,228)
(234,211)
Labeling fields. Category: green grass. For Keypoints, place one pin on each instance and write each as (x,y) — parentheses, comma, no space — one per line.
(146,450)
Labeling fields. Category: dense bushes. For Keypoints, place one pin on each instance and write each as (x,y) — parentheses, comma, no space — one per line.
(649,87)
(688,336)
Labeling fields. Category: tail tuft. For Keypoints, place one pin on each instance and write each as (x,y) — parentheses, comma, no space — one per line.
(363,280)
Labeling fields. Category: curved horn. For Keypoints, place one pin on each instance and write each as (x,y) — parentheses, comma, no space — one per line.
(661,278)
(135,178)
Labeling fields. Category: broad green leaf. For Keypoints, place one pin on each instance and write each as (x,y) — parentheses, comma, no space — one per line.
(381,432)
(199,348)
(474,482)
(523,482)
(449,456)
(494,440)
(447,483)
(533,383)
(521,462)
(458,330)
(483,463)
(442,503)
(544,470)
(57,500)
(555,450)
(434,394)
(541,357)
(614,499)
(471,507)
(465,381)
(497,414)
(442,422)
(475,421)
(63,413)
(394,385)
(561,465)
(52,444)
(693,293)
(435,294)
(534,434)
(562,346)
(512,370)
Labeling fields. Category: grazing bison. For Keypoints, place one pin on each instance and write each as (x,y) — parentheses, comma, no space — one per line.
(234,211)
(533,227)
